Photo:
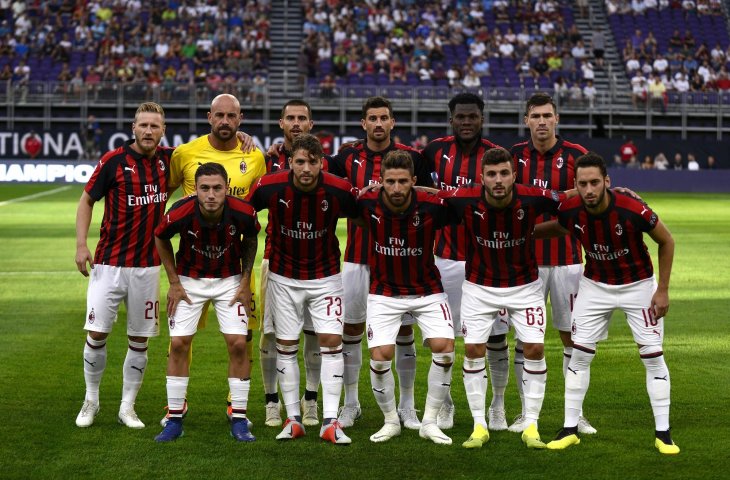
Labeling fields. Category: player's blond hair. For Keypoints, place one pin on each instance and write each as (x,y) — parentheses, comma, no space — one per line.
(149,107)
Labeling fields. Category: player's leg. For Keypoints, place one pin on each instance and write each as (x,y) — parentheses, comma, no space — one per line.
(435,320)
(562,283)
(326,310)
(234,325)
(267,355)
(143,308)
(104,294)
(518,425)
(286,302)
(452,277)
(649,335)
(405,367)
(383,323)
(312,366)
(498,360)
(182,327)
(477,319)
(355,281)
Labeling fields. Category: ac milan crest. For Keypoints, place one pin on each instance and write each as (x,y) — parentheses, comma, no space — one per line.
(325,205)
(520,214)
(243,167)
(463,329)
(618,229)
(573,328)
(161,164)
(92,316)
(370,332)
(560,162)
(232,230)
(171,321)
(416,220)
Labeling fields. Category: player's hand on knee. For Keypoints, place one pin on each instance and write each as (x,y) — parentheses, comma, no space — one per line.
(83,256)
(174,296)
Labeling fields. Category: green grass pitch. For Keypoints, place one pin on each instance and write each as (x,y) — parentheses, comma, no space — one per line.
(42,304)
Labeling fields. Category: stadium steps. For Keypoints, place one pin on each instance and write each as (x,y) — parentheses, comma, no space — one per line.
(286,38)
(613,64)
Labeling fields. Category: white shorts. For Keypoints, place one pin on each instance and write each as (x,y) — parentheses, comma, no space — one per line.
(525,306)
(597,301)
(432,313)
(138,287)
(356,282)
(268,321)
(289,300)
(232,320)
(452,278)
(561,282)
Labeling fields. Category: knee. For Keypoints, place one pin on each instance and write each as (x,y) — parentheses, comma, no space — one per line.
(179,347)
(237,346)
(98,336)
(534,351)
(475,350)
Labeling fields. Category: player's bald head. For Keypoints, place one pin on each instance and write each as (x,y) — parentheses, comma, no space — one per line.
(225,101)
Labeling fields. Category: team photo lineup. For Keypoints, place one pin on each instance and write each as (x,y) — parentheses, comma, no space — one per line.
(462,238)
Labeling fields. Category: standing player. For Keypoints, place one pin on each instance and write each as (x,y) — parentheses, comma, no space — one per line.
(501,273)
(456,161)
(213,265)
(546,161)
(222,146)
(304,205)
(360,163)
(126,267)
(296,120)
(619,275)
(404,279)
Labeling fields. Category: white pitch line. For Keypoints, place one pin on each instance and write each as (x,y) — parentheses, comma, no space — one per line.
(28,274)
(35,195)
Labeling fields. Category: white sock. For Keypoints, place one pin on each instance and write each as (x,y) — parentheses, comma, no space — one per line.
(498,359)
(439,382)
(177,387)
(267,356)
(312,361)
(135,364)
(287,367)
(658,384)
(405,367)
(352,355)
(475,385)
(535,377)
(519,364)
(381,377)
(567,355)
(577,380)
(94,364)
(333,366)
(239,389)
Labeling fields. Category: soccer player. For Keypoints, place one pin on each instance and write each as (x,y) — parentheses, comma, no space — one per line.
(133,181)
(404,279)
(546,161)
(213,264)
(501,273)
(360,163)
(295,120)
(456,161)
(223,146)
(304,205)
(618,275)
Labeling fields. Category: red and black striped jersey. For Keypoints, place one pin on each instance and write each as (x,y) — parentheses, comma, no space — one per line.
(500,244)
(361,166)
(454,168)
(303,238)
(613,241)
(135,192)
(553,170)
(401,260)
(274,163)
(209,250)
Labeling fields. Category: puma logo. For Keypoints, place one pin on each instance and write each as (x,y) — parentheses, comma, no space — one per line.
(522,161)
(359,162)
(661,378)
(285,202)
(379,390)
(140,370)
(448,159)
(93,364)
(481,214)
(575,372)
(644,210)
(281,371)
(376,218)
(194,234)
(580,227)
(130,169)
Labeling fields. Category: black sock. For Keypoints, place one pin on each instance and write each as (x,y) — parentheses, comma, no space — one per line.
(272,398)
(664,436)
(309,395)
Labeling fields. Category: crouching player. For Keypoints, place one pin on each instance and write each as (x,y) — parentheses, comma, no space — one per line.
(304,205)
(618,275)
(213,263)
(404,279)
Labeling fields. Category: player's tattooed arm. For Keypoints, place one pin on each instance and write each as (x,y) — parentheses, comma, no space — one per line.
(243,294)
(177,292)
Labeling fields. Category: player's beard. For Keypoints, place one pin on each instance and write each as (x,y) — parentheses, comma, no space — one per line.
(224,133)
(505,193)
(596,201)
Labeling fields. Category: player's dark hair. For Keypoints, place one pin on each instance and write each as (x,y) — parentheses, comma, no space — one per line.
(149,107)
(538,100)
(466,98)
(591,159)
(376,102)
(495,156)
(397,159)
(297,102)
(211,168)
(308,143)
